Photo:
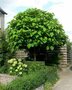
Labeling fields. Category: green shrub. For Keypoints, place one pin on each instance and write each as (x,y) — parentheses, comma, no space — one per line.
(47,86)
(32,80)
(17,66)
(35,65)
(38,74)
(4,69)
(52,75)
(3,48)
(29,81)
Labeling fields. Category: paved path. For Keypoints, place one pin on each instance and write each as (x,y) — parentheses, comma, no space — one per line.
(4,78)
(65,82)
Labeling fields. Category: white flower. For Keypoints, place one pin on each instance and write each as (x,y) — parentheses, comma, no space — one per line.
(15,62)
(20,63)
(20,73)
(14,59)
(19,60)
(11,67)
(20,68)
(10,71)
(11,60)
(24,65)
(16,70)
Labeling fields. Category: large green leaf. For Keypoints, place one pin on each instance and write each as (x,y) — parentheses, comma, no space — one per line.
(29,45)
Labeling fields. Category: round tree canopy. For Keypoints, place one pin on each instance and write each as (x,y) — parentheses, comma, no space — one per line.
(35,28)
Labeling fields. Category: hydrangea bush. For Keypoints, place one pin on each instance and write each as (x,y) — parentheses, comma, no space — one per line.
(17,66)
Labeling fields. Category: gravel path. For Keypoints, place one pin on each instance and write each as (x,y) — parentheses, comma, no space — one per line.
(65,82)
(4,78)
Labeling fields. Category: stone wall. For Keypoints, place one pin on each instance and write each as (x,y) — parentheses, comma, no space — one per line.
(63,56)
(69,55)
(21,54)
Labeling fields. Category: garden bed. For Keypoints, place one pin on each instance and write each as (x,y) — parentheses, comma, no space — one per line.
(38,74)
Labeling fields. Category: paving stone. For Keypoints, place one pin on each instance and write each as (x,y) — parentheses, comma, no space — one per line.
(5,78)
(65,82)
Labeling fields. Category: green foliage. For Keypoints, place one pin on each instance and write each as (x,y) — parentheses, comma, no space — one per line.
(2,87)
(4,69)
(30,81)
(47,86)
(35,66)
(52,75)
(3,48)
(35,79)
(17,66)
(35,28)
(46,75)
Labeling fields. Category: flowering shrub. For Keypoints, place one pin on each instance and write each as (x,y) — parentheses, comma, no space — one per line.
(17,66)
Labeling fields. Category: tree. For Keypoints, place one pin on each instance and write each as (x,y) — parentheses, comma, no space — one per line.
(34,29)
(3,48)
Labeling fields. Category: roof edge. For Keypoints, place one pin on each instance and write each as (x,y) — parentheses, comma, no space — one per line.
(2,11)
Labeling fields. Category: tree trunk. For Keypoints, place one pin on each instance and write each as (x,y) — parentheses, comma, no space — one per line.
(34,55)
(46,56)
